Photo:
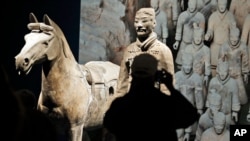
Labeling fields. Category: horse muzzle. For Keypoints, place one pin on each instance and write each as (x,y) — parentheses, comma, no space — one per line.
(23,65)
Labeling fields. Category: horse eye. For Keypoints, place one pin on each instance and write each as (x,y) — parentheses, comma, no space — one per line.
(48,33)
(46,43)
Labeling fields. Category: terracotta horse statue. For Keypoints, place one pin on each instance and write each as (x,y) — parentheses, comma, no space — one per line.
(75,96)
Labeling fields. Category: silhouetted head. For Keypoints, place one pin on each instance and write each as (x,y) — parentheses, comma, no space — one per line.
(144,66)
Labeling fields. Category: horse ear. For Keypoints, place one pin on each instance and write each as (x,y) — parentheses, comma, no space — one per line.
(33,18)
(47,20)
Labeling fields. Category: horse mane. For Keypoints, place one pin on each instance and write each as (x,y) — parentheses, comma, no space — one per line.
(58,32)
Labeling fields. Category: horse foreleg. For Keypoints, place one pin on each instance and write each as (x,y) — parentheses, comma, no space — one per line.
(77,133)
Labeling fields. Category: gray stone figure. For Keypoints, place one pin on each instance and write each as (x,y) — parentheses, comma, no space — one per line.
(201,55)
(218,30)
(245,36)
(227,87)
(184,29)
(146,42)
(206,119)
(240,9)
(161,28)
(236,53)
(189,84)
(172,10)
(209,7)
(218,132)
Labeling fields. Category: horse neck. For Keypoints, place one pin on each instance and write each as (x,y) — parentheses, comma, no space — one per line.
(63,64)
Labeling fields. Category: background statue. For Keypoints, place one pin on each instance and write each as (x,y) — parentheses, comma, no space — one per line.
(218,30)
(227,87)
(102,31)
(206,119)
(236,53)
(201,57)
(172,10)
(184,28)
(161,28)
(146,42)
(218,132)
(189,84)
(245,36)
(240,9)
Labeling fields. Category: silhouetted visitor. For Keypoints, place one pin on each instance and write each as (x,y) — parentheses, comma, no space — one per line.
(36,126)
(22,122)
(146,113)
(12,109)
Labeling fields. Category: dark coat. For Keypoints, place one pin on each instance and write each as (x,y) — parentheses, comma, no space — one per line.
(145,113)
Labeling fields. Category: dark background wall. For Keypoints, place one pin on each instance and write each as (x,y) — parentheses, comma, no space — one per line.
(14,20)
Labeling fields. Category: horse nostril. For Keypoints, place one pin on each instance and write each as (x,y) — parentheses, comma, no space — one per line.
(26,62)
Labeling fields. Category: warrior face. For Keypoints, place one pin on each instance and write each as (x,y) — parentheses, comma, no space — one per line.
(192,6)
(234,37)
(144,22)
(198,38)
(234,40)
(222,5)
(223,70)
(187,63)
(219,127)
(219,120)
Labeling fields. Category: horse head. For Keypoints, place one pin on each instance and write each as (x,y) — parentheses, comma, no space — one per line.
(43,43)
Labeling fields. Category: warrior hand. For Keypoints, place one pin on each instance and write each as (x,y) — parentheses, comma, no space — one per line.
(186,137)
(245,78)
(200,112)
(235,116)
(176,45)
(207,37)
(206,80)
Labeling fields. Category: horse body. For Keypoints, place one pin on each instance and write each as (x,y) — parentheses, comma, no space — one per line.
(74,96)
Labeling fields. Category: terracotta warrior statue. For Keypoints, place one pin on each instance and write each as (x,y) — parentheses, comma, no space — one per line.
(218,30)
(236,53)
(201,55)
(245,35)
(172,10)
(218,132)
(189,84)
(206,119)
(146,42)
(161,28)
(227,87)
(240,9)
(184,29)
